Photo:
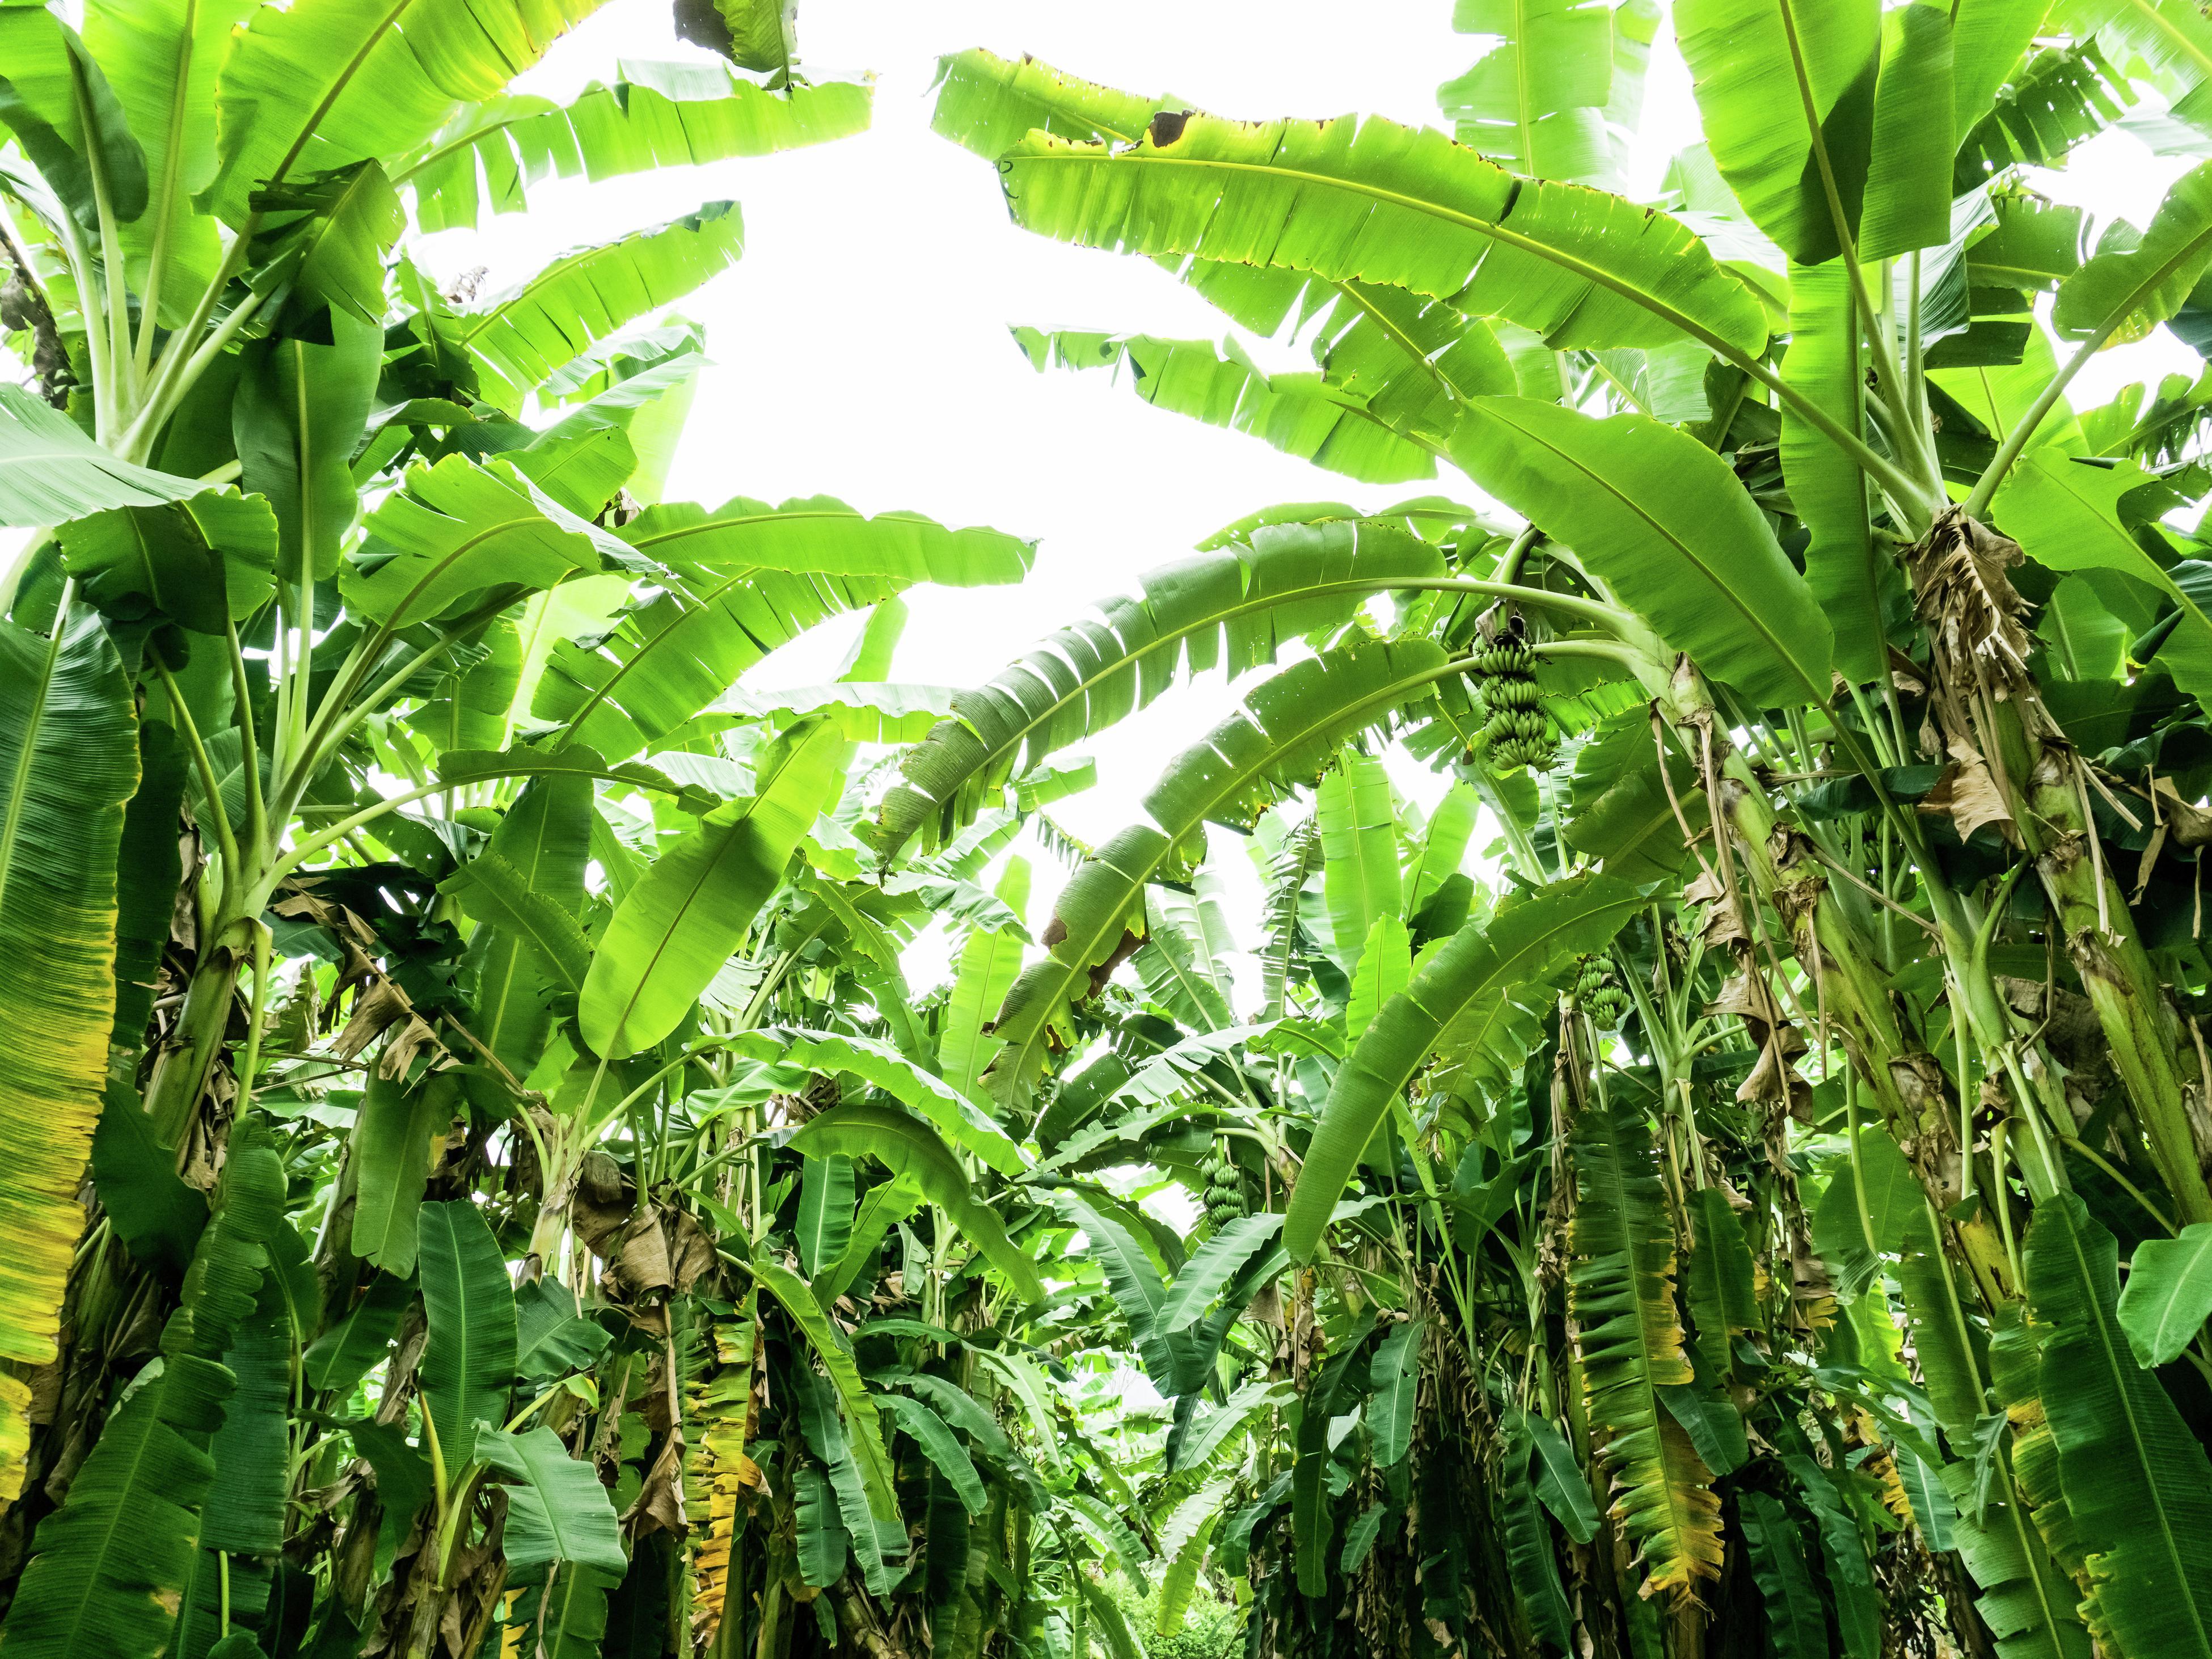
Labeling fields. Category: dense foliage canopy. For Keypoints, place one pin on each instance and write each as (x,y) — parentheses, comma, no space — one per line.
(482,1173)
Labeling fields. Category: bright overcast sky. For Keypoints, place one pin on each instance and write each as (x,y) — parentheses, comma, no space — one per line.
(860,346)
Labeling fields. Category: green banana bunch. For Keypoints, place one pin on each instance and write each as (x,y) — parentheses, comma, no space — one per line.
(1598,995)
(1518,733)
(1224,1193)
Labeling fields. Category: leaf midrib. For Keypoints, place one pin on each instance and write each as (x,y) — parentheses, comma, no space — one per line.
(1490,228)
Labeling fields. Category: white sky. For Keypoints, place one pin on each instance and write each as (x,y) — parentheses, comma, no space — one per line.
(861,347)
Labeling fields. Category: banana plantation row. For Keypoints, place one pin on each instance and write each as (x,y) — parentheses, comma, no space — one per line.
(1699,1149)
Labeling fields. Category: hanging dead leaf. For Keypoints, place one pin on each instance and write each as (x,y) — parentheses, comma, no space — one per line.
(600,1206)
(375,1010)
(659,1505)
(2189,826)
(1964,594)
(1969,793)
(691,1249)
(1723,925)
(410,1040)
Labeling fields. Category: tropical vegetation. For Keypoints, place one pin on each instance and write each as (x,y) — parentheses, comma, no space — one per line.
(1701,1147)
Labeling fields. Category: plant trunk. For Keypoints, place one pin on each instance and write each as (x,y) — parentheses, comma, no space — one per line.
(186,1057)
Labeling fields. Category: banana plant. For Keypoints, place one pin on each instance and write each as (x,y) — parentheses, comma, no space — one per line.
(1832,690)
(346,610)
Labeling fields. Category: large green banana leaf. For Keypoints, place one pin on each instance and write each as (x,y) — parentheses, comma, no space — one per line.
(1531,1558)
(66,118)
(1407,360)
(1825,124)
(544,841)
(1796,1622)
(824,1228)
(863,1423)
(69,760)
(318,85)
(672,934)
(1300,414)
(205,562)
(1371,201)
(2168,1295)
(2070,517)
(468,1303)
(1988,40)
(655,115)
(244,1509)
(148,868)
(459,530)
(1826,486)
(1662,521)
(749,577)
(988,104)
(957,1118)
(110,1567)
(1622,811)
(300,408)
(557,1511)
(622,437)
(2135,1479)
(1286,729)
(2172,39)
(906,1147)
(393,1134)
(929,1432)
(1360,878)
(1476,996)
(51,471)
(989,963)
(521,336)
(760,35)
(1233,609)
(1621,1292)
(162,57)
(328,239)
(2147,283)
(1535,101)
(1404,359)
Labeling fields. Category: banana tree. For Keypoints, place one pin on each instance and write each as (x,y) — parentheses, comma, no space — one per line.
(1880,656)
(380,842)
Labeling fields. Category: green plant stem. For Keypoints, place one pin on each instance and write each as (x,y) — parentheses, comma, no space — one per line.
(249,1067)
(122,373)
(233,868)
(1509,564)
(79,259)
(1878,323)
(138,440)
(170,379)
(256,816)
(2017,441)
(162,202)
